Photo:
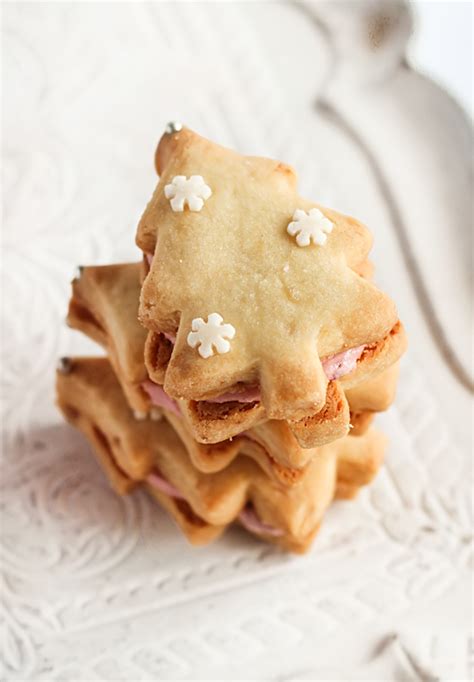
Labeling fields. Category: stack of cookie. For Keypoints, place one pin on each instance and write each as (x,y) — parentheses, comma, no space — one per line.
(247,352)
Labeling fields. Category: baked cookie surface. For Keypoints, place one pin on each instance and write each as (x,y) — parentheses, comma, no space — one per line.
(289,306)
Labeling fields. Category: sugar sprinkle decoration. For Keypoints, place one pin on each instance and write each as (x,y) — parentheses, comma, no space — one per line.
(192,191)
(311,226)
(210,335)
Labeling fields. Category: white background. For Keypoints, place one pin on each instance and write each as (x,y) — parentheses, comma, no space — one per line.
(98,588)
(442,45)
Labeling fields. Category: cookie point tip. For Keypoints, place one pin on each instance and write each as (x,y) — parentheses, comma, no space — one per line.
(64,365)
(173,127)
(78,272)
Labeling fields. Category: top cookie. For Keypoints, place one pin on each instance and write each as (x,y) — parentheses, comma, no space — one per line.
(256,285)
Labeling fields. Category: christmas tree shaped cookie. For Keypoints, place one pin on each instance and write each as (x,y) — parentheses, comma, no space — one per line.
(256,289)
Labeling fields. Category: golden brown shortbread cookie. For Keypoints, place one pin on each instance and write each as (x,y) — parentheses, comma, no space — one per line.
(375,394)
(289,306)
(103,305)
(90,397)
(365,269)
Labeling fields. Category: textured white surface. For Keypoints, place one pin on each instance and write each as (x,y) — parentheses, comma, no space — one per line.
(100,588)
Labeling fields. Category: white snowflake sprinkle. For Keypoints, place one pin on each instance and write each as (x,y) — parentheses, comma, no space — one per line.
(310,226)
(211,334)
(192,191)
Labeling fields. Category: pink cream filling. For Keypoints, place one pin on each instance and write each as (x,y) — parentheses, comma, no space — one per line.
(334,366)
(149,258)
(337,366)
(247,516)
(249,519)
(163,486)
(159,398)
